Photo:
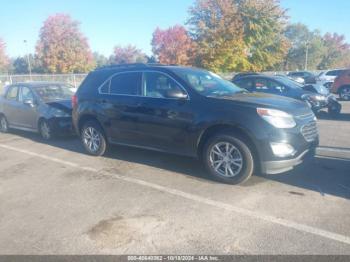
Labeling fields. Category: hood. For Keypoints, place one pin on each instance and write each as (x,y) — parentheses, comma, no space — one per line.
(289,105)
(319,89)
(64,105)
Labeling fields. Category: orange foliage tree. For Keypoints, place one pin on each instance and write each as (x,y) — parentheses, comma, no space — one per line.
(62,48)
(173,46)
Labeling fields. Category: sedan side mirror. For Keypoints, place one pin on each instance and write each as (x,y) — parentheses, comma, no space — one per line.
(176,94)
(29,102)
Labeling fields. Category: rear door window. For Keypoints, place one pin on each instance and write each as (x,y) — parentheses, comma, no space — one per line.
(268,86)
(25,94)
(245,83)
(126,84)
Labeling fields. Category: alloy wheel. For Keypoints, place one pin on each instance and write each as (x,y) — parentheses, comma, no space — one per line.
(3,124)
(45,130)
(226,159)
(92,139)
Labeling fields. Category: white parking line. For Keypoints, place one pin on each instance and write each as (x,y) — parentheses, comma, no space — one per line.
(332,149)
(217,204)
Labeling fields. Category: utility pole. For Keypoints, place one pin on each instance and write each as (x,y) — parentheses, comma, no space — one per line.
(28,60)
(306,54)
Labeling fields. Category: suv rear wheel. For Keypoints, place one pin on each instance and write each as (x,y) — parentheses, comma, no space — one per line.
(93,138)
(228,158)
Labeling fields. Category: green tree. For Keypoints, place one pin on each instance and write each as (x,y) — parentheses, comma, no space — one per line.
(20,65)
(264,23)
(100,60)
(62,48)
(302,40)
(217,28)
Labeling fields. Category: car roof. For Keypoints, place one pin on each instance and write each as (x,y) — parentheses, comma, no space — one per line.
(257,76)
(140,66)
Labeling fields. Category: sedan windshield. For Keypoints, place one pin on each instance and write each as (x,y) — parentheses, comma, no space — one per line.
(207,83)
(54,92)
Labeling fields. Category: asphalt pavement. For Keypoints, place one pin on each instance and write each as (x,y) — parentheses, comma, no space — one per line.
(55,199)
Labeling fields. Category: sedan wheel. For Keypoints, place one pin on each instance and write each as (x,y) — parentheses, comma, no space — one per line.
(45,130)
(3,124)
(345,93)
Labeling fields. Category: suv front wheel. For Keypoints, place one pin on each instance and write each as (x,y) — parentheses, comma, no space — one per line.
(93,138)
(228,158)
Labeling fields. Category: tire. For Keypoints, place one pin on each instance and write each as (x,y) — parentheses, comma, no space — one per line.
(344,93)
(334,112)
(45,130)
(4,126)
(93,138)
(236,167)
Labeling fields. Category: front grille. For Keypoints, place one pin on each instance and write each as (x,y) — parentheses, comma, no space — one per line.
(307,117)
(309,131)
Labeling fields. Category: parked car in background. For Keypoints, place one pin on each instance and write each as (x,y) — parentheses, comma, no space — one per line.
(317,97)
(309,78)
(43,107)
(341,85)
(327,78)
(239,75)
(195,113)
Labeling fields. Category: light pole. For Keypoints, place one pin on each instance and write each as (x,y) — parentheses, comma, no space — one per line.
(28,60)
(306,54)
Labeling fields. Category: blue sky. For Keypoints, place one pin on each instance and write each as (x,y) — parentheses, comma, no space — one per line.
(107,23)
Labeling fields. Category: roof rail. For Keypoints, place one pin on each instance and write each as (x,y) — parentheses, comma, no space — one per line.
(128,65)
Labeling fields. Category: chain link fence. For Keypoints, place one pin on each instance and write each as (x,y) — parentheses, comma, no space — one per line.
(72,79)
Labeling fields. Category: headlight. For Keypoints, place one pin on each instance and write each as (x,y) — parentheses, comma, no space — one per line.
(277,118)
(314,98)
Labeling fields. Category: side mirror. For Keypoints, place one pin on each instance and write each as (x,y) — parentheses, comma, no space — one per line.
(29,102)
(176,93)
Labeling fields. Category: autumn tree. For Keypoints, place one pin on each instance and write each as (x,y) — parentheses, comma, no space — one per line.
(264,23)
(62,48)
(127,54)
(337,51)
(218,29)
(4,60)
(173,46)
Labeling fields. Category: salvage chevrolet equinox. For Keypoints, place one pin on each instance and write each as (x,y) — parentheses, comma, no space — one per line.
(196,113)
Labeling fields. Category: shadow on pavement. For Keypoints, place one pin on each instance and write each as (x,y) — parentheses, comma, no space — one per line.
(325,116)
(326,175)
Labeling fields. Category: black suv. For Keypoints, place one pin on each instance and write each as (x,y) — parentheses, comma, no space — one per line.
(196,113)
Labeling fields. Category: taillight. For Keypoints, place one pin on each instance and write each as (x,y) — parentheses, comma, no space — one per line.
(74,101)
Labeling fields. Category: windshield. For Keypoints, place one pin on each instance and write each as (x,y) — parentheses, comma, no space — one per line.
(54,92)
(288,82)
(207,83)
